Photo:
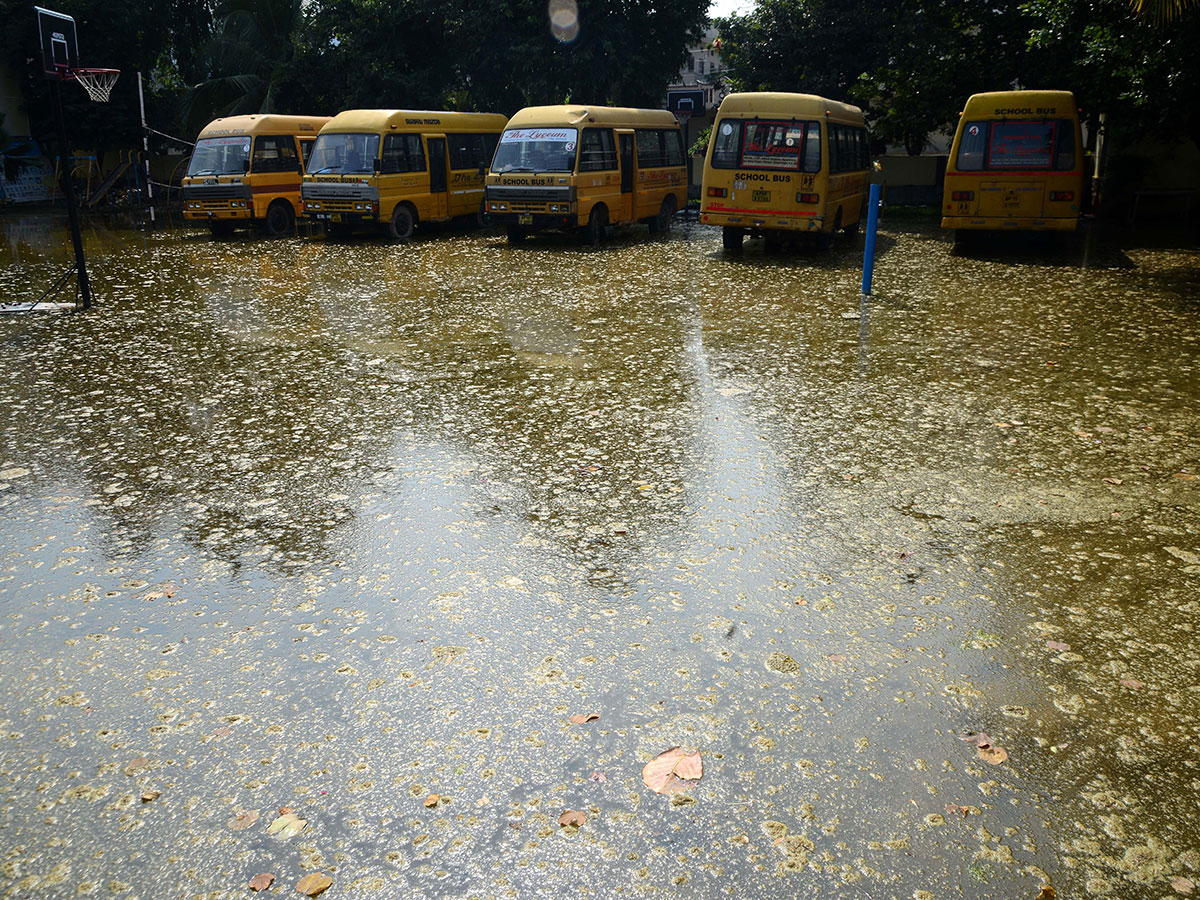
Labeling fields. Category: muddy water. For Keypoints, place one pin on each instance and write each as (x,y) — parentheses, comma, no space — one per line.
(340,526)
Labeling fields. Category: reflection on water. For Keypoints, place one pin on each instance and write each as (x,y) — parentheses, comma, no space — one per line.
(340,525)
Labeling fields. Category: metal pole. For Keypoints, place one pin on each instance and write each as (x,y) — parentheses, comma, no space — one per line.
(85,291)
(146,149)
(869,249)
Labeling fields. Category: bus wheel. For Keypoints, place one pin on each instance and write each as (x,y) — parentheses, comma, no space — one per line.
(516,234)
(400,228)
(280,219)
(220,229)
(732,238)
(593,233)
(661,223)
(481,217)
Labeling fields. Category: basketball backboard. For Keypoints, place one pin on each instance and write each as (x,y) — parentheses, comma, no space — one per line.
(56,34)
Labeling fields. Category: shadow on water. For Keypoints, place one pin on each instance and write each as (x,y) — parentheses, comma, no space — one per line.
(1085,248)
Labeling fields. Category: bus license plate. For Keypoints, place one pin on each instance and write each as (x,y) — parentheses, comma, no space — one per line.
(762,196)
(525,219)
(336,217)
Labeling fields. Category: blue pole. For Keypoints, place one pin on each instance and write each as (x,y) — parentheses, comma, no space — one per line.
(869,249)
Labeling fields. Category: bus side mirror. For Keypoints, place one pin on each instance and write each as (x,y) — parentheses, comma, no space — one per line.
(377,165)
(245,167)
(482,169)
(300,166)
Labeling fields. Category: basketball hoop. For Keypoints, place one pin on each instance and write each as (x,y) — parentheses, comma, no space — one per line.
(97,82)
(682,116)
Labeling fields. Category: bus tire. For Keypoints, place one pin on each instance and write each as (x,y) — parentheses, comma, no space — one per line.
(481,216)
(732,238)
(661,223)
(852,228)
(593,232)
(220,229)
(516,234)
(400,226)
(280,219)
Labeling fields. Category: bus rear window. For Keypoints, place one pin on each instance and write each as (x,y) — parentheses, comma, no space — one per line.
(785,146)
(1048,144)
(1021,145)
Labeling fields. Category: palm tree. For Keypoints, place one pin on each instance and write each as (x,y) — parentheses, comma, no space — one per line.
(246,58)
(1161,12)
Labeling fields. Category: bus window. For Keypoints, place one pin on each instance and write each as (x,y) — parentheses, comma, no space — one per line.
(274,153)
(1020,145)
(1064,156)
(467,151)
(402,153)
(306,145)
(725,150)
(344,152)
(597,152)
(970,149)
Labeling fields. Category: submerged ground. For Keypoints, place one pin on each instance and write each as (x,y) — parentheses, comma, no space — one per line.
(338,527)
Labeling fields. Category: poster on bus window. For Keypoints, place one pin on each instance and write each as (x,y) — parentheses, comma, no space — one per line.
(772,146)
(514,135)
(1021,145)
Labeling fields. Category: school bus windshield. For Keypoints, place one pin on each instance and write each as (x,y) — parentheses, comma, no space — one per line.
(536,150)
(784,146)
(344,154)
(220,156)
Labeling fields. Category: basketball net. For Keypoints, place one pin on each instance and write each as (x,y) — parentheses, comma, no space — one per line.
(97,82)
(682,116)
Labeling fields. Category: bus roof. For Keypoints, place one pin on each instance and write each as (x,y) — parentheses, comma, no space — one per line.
(263,124)
(576,114)
(797,106)
(373,120)
(1020,103)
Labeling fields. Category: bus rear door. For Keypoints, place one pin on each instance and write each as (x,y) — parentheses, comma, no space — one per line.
(438,179)
(625,146)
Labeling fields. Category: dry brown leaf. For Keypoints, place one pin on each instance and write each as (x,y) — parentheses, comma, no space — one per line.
(978,738)
(1113,480)
(598,776)
(1185,476)
(1133,683)
(572,818)
(288,825)
(993,755)
(1058,645)
(148,796)
(314,884)
(580,718)
(433,800)
(261,881)
(1046,893)
(1182,885)
(136,765)
(170,589)
(154,595)
(669,772)
(243,819)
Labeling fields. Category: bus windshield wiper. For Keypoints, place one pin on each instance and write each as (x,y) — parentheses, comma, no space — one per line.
(521,169)
(325,169)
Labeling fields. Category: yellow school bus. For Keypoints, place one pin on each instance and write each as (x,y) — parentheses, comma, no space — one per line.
(785,164)
(397,168)
(1016,163)
(584,168)
(246,170)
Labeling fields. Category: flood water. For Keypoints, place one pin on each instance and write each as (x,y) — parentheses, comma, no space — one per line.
(339,526)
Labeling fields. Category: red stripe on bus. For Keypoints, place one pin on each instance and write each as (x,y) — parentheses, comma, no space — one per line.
(986,172)
(766,212)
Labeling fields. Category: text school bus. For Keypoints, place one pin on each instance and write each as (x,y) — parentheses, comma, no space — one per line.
(586,167)
(1015,163)
(396,168)
(784,164)
(246,170)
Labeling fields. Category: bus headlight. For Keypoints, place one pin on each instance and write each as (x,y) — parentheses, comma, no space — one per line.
(718,192)
(498,207)
(313,205)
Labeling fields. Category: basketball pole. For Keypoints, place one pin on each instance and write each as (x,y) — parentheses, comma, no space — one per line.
(146,149)
(85,291)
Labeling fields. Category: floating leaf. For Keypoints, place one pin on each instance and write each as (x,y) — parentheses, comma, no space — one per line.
(1046,893)
(1113,480)
(261,881)
(580,718)
(314,884)
(1133,683)
(598,776)
(136,765)
(993,755)
(572,818)
(288,825)
(243,819)
(978,738)
(669,772)
(433,800)
(1182,885)
(1057,645)
(149,796)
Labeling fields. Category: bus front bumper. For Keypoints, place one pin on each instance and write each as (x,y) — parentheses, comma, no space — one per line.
(764,222)
(1025,223)
(335,217)
(533,221)
(203,213)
